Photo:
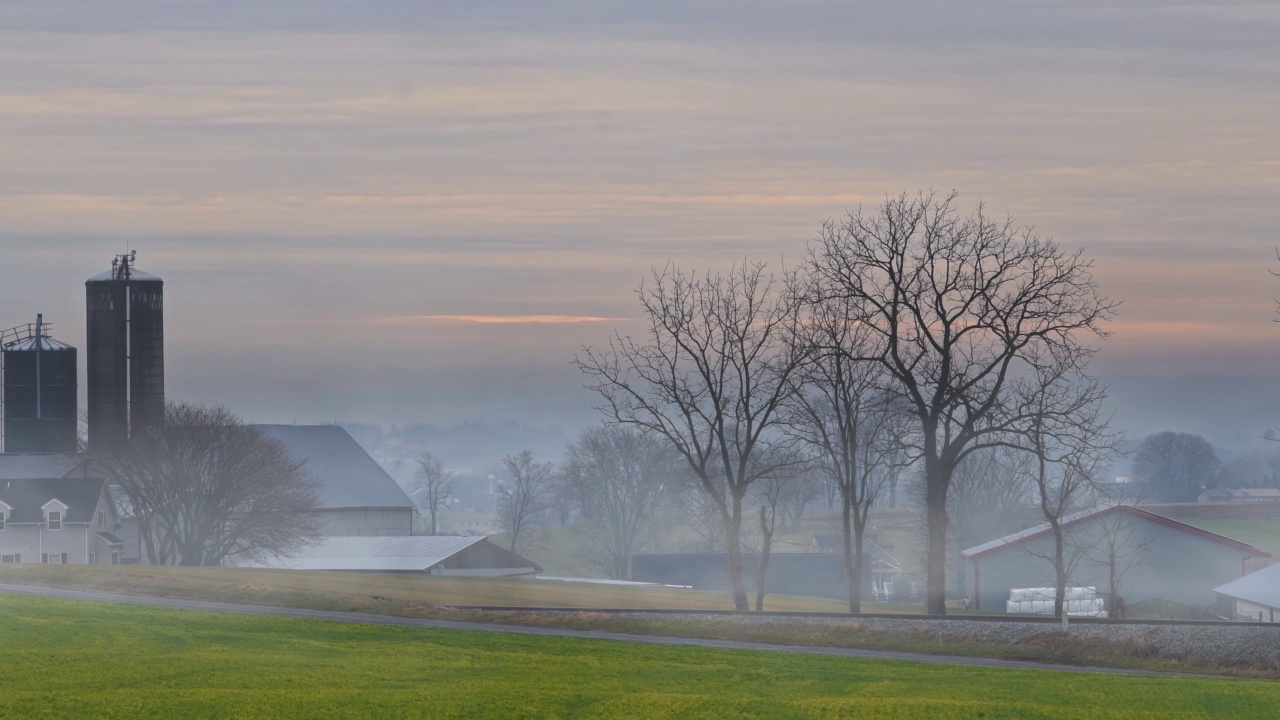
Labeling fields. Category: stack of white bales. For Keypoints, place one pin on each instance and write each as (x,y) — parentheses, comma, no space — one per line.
(1077,601)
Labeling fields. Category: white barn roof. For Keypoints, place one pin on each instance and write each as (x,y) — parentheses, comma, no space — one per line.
(1260,588)
(417,553)
(348,477)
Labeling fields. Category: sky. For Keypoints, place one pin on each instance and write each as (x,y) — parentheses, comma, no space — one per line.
(379,196)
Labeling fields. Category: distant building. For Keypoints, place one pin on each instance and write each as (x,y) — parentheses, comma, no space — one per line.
(434,555)
(1180,563)
(882,568)
(1240,495)
(357,497)
(1253,597)
(58,521)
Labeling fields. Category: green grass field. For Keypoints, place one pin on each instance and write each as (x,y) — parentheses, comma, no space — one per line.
(79,659)
(1262,533)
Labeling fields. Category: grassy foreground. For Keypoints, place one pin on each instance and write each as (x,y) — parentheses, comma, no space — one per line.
(80,659)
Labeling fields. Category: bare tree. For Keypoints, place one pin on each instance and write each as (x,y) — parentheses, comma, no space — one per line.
(1067,442)
(703,518)
(204,487)
(855,428)
(775,491)
(957,304)
(526,498)
(710,377)
(991,495)
(619,477)
(1120,547)
(435,487)
(1177,466)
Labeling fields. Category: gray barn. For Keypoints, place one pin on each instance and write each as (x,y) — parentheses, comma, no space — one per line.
(357,497)
(1165,559)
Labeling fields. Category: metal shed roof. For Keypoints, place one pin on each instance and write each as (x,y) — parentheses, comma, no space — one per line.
(349,478)
(1083,515)
(15,466)
(375,553)
(1261,587)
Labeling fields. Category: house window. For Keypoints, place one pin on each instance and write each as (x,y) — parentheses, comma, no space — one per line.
(2,518)
(6,558)
(102,519)
(54,558)
(55,520)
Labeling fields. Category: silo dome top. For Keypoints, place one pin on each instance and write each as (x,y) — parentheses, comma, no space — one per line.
(122,268)
(134,274)
(44,343)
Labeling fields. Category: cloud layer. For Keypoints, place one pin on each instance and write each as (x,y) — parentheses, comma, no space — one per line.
(301,172)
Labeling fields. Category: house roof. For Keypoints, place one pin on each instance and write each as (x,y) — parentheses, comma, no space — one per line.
(1261,587)
(1098,511)
(348,477)
(26,466)
(110,539)
(382,553)
(27,497)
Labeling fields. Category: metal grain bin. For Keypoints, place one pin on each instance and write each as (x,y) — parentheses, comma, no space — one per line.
(125,345)
(40,400)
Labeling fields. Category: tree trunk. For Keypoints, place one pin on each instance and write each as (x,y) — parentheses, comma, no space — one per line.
(762,576)
(737,588)
(936,560)
(852,570)
(1059,571)
(1115,606)
(858,531)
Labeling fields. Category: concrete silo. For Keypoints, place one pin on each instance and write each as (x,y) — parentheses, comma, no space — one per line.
(125,347)
(40,402)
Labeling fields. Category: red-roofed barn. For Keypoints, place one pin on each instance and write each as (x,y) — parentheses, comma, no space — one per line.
(1162,559)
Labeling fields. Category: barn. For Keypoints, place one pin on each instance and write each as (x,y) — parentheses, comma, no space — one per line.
(357,497)
(434,555)
(1159,558)
(1255,596)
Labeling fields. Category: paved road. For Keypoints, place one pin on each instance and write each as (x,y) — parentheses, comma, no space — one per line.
(370,619)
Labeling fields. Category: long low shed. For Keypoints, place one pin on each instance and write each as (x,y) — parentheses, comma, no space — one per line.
(1253,597)
(432,554)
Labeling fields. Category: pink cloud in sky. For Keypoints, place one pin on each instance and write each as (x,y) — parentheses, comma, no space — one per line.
(495,319)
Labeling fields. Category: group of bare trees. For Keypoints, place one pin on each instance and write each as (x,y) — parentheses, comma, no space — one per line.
(913,335)
(203,486)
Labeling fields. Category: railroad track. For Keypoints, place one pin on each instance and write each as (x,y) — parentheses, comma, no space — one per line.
(1041,619)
